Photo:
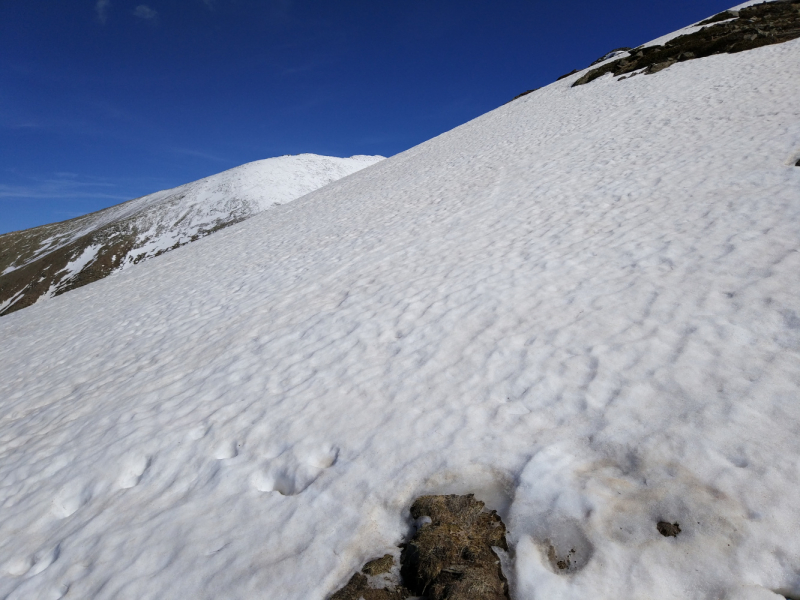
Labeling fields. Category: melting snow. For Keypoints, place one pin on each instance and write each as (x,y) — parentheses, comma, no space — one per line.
(76,266)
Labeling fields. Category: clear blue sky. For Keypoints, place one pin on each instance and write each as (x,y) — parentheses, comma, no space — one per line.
(102,101)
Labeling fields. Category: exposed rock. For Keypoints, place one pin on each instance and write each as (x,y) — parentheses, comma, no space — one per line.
(565,75)
(522,94)
(450,557)
(723,16)
(609,55)
(668,529)
(753,27)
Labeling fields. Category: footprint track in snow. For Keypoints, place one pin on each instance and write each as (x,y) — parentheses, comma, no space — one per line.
(133,468)
(17,566)
(322,457)
(198,432)
(29,566)
(70,498)
(291,474)
(227,450)
(43,559)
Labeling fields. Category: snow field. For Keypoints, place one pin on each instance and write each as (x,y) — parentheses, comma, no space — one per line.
(582,307)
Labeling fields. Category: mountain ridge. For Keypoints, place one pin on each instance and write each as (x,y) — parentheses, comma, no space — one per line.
(52,259)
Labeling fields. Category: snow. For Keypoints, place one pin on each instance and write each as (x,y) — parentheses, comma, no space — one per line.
(583,307)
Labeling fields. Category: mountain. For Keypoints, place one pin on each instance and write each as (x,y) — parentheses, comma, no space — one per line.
(43,262)
(582,307)
(750,26)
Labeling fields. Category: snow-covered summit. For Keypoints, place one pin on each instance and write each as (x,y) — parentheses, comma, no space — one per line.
(46,261)
(583,307)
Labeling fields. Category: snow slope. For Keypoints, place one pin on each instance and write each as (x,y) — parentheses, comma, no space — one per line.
(582,306)
(62,256)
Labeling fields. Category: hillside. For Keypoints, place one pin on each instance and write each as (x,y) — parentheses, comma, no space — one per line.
(582,307)
(43,262)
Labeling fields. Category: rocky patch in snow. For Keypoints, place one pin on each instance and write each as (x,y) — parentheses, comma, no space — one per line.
(728,32)
(450,557)
(668,529)
(723,16)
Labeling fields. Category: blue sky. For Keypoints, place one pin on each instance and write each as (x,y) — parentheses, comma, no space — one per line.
(102,101)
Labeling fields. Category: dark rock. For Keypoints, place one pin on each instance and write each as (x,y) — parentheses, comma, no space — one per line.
(659,66)
(522,94)
(755,26)
(723,16)
(567,74)
(797,164)
(668,529)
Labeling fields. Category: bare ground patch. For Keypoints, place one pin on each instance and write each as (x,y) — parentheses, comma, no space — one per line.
(451,556)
